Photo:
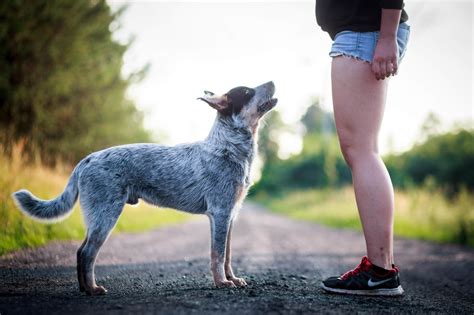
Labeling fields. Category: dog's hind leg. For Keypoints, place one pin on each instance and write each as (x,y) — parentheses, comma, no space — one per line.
(220,222)
(80,274)
(100,224)
(229,273)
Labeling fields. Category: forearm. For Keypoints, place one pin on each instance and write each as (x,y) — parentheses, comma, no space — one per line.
(385,62)
(389,24)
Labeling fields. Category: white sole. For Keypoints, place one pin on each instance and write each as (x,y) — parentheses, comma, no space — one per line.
(377,292)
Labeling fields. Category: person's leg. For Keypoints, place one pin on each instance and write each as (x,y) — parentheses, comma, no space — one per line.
(359,101)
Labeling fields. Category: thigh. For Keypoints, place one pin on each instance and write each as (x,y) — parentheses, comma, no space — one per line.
(358,100)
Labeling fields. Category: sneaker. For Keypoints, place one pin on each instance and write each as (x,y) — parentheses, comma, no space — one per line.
(366,279)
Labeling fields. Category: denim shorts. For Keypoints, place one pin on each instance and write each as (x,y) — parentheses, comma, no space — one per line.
(362,45)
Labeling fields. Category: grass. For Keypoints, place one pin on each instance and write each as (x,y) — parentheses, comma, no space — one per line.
(420,213)
(18,231)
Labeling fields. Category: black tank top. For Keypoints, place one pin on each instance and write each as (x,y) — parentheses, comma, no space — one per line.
(335,16)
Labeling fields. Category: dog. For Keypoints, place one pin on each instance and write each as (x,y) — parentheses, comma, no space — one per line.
(207,177)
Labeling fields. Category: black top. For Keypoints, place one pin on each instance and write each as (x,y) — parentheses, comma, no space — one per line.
(335,16)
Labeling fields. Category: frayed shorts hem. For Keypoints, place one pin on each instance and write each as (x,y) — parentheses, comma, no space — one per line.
(348,55)
(361,45)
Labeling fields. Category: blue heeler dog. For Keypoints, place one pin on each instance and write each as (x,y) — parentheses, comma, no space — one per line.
(208,177)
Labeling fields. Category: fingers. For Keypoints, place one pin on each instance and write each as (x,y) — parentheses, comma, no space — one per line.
(384,68)
(385,63)
(379,68)
(376,69)
(395,66)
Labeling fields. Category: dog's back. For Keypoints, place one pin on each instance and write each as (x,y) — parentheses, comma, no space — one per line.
(181,177)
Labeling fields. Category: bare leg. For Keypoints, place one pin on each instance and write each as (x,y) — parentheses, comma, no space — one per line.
(80,275)
(359,101)
(229,273)
(219,229)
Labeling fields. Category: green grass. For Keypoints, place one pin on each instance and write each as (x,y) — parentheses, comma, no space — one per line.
(18,231)
(420,213)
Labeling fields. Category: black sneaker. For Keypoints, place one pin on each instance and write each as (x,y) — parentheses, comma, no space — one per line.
(366,279)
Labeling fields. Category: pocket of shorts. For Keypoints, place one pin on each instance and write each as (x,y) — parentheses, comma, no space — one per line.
(403,35)
(404,26)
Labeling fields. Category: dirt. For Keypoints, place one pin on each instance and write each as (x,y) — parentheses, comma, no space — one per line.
(167,271)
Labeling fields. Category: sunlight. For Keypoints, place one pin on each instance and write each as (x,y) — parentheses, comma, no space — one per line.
(214,50)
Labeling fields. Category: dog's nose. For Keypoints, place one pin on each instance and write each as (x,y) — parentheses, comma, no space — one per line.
(267,88)
(271,87)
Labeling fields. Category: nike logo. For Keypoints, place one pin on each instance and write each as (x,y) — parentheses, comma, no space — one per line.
(371,283)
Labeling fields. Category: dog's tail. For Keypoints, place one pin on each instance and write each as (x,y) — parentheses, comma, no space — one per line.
(49,210)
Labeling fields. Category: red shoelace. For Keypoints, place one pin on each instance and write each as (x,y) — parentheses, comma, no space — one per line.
(364,265)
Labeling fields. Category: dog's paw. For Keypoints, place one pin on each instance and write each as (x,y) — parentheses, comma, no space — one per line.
(97,290)
(239,282)
(225,284)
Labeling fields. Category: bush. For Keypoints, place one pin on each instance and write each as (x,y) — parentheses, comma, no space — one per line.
(446,159)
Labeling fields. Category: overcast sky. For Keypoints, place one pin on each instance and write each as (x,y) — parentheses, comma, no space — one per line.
(194,46)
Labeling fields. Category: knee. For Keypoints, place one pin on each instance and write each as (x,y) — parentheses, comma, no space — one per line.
(355,148)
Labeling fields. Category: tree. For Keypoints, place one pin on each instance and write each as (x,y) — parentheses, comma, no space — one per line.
(317,120)
(319,164)
(61,89)
(430,127)
(447,159)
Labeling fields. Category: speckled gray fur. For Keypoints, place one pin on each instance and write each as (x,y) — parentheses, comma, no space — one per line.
(207,177)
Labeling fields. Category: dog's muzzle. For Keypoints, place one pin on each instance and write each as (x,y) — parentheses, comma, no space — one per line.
(267,89)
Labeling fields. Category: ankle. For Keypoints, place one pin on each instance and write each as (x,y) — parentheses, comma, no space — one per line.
(380,271)
(383,264)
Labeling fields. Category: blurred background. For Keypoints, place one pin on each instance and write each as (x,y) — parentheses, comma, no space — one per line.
(79,76)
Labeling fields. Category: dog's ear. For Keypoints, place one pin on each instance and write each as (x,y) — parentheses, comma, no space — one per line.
(219,103)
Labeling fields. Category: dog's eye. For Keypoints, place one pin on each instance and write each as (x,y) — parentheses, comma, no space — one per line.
(247,92)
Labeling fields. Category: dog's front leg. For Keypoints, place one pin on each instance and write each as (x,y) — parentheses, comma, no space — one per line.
(220,222)
(229,273)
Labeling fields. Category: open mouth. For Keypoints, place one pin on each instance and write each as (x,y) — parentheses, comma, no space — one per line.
(269,104)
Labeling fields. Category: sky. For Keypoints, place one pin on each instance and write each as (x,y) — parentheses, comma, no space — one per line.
(193,46)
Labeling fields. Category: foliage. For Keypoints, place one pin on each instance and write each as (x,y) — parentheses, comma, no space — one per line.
(421,213)
(317,121)
(61,90)
(313,169)
(19,231)
(446,160)
(319,164)
(436,176)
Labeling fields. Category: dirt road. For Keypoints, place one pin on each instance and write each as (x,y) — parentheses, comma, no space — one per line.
(167,271)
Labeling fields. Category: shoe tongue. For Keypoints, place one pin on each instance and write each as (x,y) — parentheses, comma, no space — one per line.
(365,261)
(364,265)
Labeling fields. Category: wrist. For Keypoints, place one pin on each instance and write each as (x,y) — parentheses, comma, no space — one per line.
(389,36)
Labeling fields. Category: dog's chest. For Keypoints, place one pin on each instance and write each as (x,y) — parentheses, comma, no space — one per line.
(242,188)
(247,171)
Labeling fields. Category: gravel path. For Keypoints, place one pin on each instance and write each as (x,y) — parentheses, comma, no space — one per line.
(167,271)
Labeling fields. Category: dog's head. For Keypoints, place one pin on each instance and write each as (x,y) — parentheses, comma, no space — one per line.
(245,105)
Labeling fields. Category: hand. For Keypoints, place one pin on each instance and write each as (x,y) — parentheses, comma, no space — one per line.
(385,62)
